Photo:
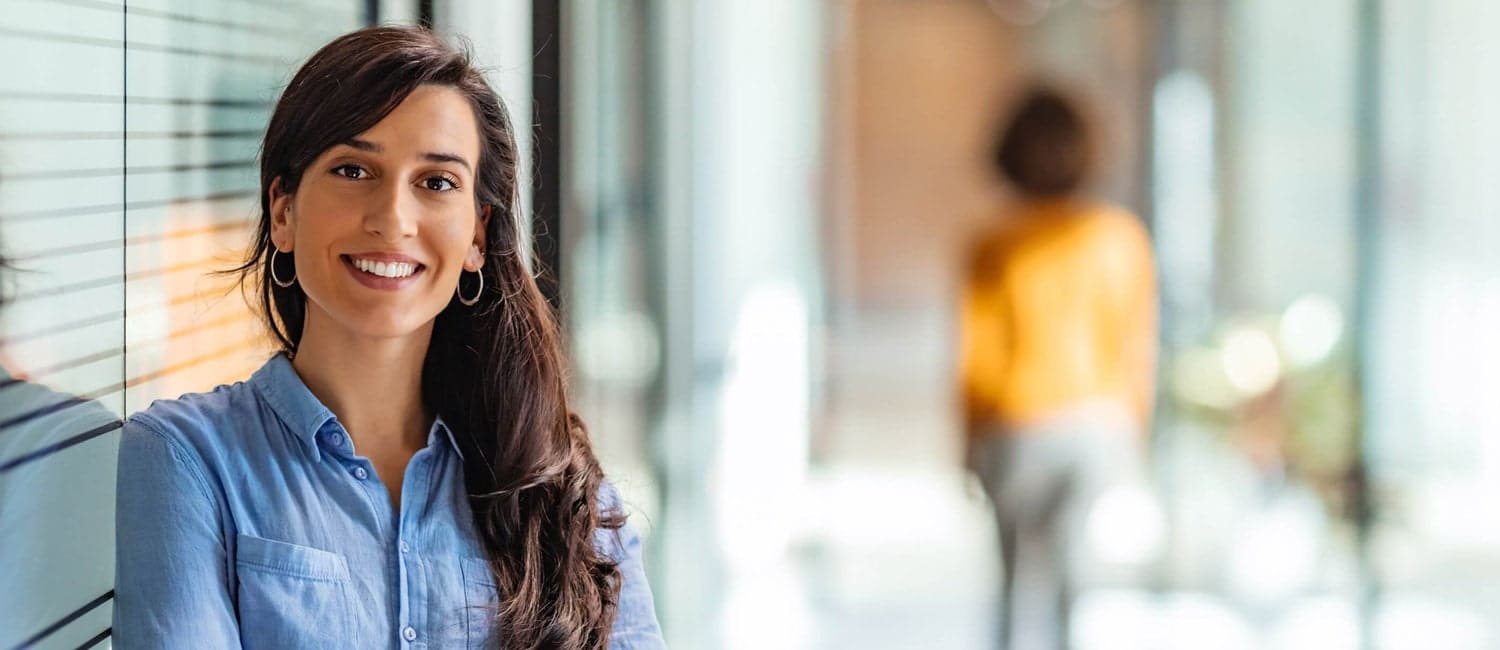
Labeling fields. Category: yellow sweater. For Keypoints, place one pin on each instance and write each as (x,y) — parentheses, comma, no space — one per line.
(1058,309)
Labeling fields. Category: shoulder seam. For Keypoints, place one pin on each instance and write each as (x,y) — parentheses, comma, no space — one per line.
(176,449)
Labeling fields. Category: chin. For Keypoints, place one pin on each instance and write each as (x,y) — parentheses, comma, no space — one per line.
(387,323)
(375,319)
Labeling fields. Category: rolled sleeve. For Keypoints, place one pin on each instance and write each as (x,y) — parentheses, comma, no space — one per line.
(171,575)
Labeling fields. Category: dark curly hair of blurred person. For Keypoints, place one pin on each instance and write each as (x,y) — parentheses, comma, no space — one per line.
(1046,148)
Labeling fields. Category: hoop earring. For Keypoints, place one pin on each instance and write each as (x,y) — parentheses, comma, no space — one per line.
(470,302)
(277,280)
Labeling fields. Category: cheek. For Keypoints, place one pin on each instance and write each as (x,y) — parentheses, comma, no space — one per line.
(454,238)
(316,235)
(321,221)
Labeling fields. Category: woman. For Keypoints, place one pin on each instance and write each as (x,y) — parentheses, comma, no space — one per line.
(405,472)
(1057,360)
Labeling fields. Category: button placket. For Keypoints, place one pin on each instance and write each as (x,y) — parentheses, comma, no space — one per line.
(411,571)
(404,574)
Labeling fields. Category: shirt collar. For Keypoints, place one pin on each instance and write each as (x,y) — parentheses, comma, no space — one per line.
(438,423)
(298,408)
(302,412)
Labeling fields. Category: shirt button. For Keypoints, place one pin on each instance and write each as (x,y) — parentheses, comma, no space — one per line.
(336,439)
(360,473)
(409,634)
(405,548)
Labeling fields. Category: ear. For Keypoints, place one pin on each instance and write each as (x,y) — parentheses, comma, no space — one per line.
(282,225)
(475,259)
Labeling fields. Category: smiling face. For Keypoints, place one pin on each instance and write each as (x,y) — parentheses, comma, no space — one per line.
(382,225)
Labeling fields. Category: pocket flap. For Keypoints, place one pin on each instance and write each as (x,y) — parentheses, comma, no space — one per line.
(290,559)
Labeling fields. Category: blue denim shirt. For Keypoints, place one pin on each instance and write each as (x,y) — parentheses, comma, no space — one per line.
(246,518)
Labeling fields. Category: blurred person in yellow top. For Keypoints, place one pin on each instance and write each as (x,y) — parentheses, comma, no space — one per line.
(1057,360)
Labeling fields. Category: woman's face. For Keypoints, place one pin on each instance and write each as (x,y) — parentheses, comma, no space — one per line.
(381,226)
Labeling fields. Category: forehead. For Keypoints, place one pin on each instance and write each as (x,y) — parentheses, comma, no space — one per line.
(430,119)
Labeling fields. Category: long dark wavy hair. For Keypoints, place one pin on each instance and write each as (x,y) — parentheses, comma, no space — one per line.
(494,371)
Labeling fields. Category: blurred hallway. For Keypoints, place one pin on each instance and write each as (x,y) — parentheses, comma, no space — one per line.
(757,214)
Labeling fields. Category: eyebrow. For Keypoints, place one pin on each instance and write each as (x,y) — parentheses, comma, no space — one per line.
(432,156)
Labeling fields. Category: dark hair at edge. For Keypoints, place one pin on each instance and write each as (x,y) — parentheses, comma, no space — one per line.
(1046,148)
(494,371)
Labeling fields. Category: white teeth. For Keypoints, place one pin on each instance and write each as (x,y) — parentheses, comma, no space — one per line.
(383,269)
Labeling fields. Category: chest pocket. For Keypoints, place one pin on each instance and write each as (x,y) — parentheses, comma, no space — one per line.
(481,603)
(291,596)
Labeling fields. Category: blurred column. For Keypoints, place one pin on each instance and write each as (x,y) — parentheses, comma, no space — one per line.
(691,172)
(1433,303)
(758,104)
(756,128)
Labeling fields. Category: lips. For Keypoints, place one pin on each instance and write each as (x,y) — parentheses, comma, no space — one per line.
(381,271)
(386,269)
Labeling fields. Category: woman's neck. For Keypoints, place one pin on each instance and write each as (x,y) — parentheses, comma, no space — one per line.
(373,385)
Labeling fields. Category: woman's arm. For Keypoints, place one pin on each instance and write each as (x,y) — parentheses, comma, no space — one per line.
(1128,273)
(636,627)
(984,345)
(171,582)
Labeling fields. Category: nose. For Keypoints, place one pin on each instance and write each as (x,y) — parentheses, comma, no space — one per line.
(392,213)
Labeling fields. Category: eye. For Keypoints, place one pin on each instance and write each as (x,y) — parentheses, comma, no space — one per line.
(439,184)
(352,172)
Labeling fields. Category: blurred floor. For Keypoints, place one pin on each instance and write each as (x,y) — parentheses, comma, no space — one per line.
(898,550)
